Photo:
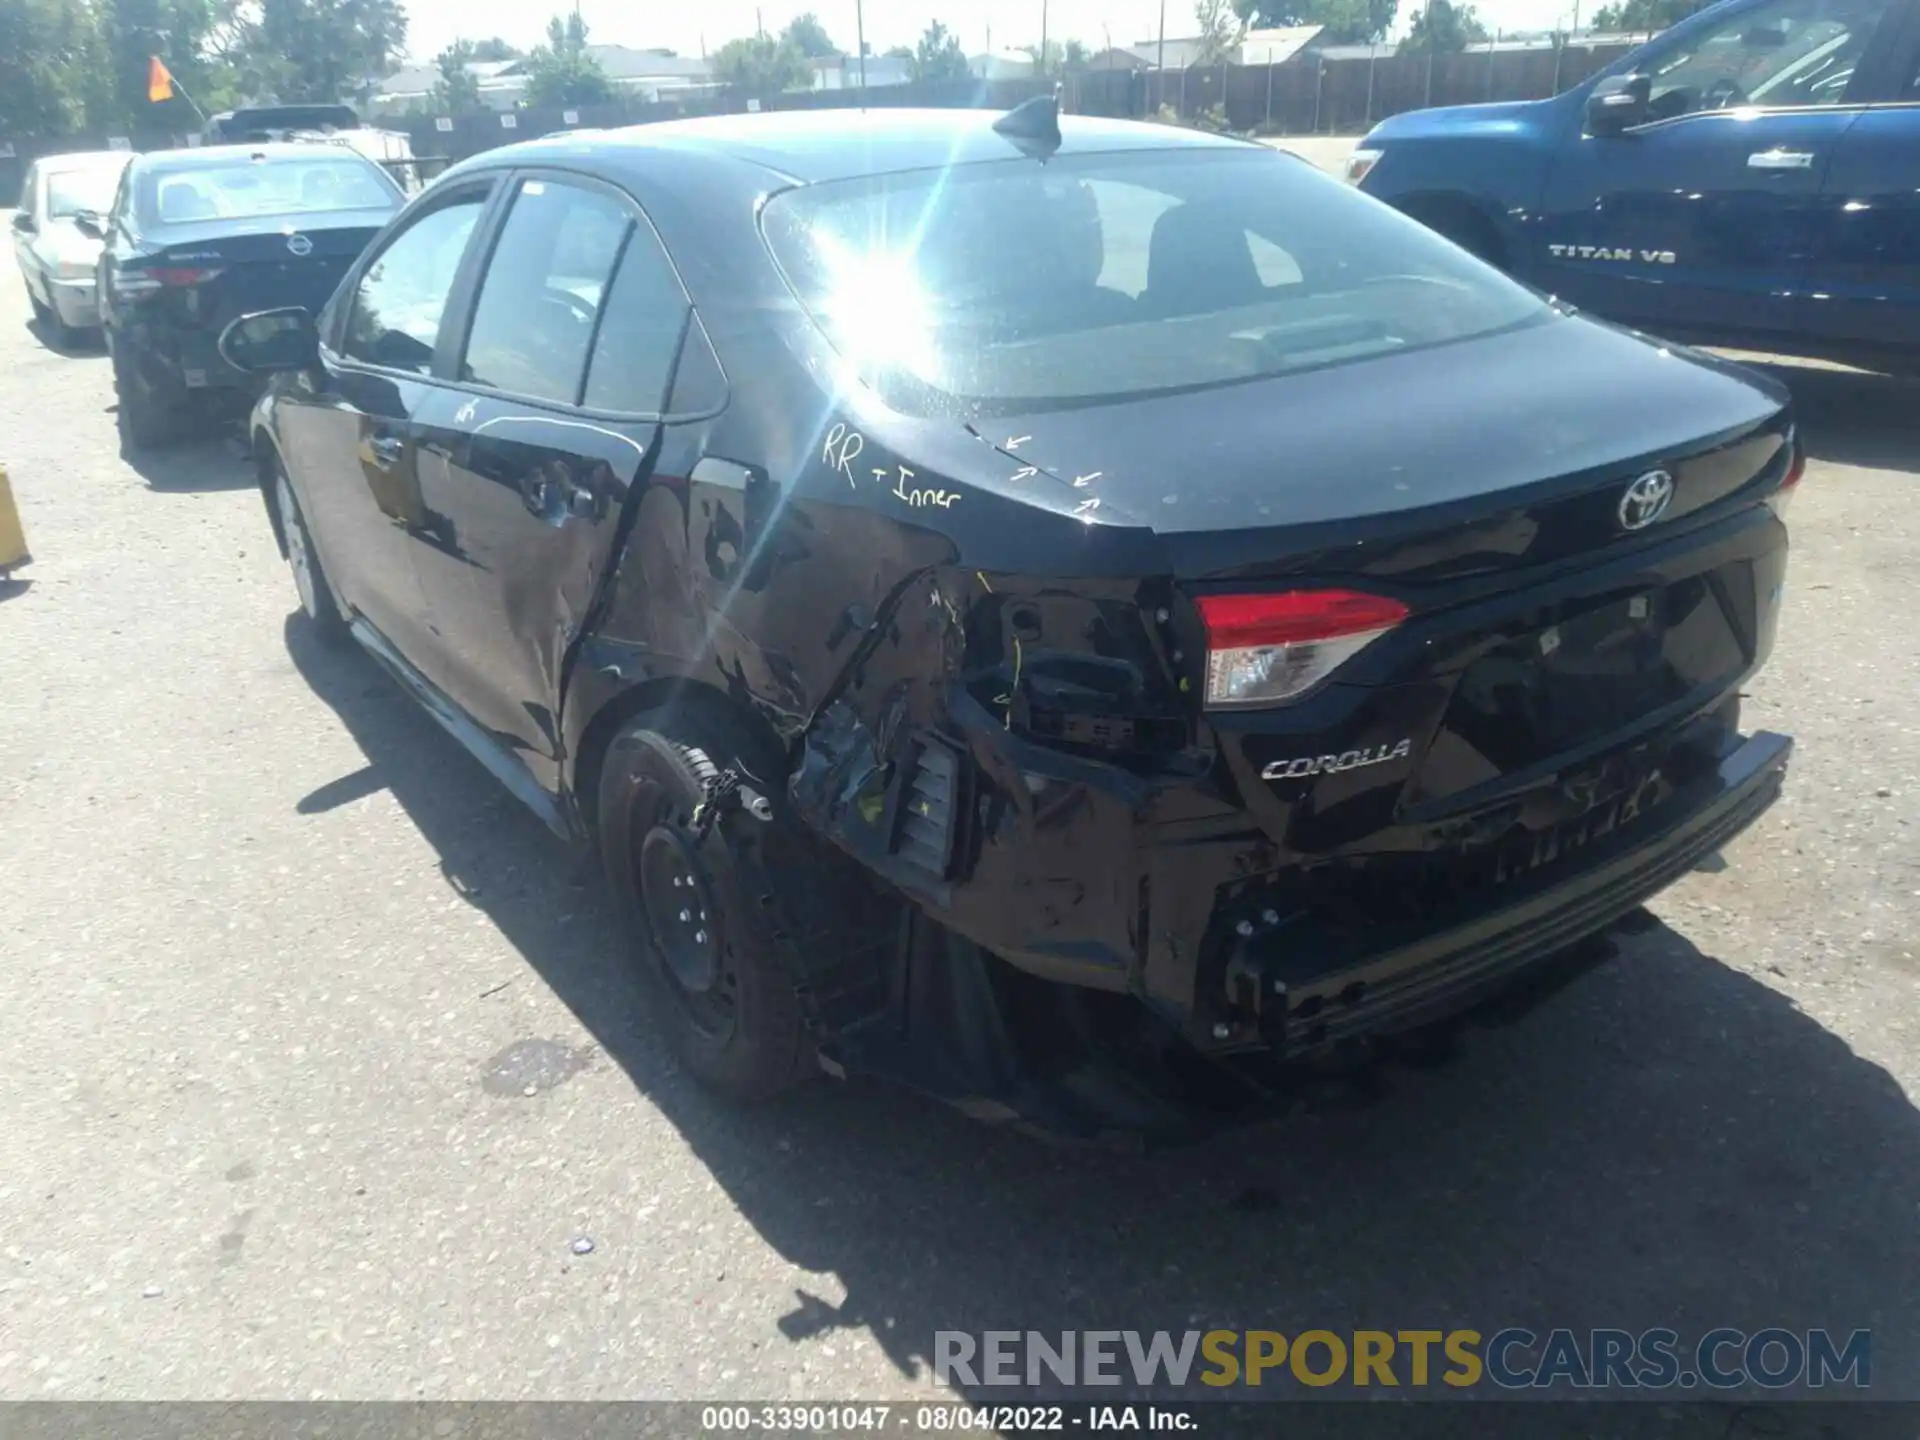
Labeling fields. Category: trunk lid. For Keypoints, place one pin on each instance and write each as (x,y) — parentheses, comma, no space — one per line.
(1495,454)
(260,269)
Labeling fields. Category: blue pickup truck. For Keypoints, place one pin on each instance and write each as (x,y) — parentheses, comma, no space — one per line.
(1749,178)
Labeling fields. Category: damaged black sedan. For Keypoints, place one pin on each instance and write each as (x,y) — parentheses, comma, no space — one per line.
(1079,616)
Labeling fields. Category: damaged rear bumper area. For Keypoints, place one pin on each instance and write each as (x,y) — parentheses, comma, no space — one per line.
(1151,930)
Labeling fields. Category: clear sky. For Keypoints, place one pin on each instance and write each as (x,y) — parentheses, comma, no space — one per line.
(683,26)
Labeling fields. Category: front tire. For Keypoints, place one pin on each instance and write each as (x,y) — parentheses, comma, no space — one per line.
(692,906)
(309,579)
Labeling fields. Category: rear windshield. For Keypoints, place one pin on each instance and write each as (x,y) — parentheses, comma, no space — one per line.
(1016,285)
(88,187)
(243,187)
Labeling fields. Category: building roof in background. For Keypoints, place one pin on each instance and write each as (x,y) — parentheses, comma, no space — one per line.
(1256,47)
(622,62)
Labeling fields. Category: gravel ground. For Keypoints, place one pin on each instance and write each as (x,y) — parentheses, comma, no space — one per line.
(317,1064)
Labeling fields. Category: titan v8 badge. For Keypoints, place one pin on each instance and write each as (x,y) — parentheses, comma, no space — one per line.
(1610,252)
(1335,764)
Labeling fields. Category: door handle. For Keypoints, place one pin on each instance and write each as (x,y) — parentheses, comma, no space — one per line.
(556,499)
(387,450)
(1780,160)
(536,493)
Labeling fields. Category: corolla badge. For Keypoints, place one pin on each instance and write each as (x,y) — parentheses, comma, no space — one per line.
(1646,500)
(1335,764)
(299,245)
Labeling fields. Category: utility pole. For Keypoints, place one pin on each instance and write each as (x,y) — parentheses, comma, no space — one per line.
(860,39)
(1429,30)
(1042,65)
(1160,66)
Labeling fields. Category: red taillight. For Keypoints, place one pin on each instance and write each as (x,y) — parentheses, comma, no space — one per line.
(182,279)
(1263,649)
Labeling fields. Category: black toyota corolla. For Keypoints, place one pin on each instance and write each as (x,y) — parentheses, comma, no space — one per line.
(1085,617)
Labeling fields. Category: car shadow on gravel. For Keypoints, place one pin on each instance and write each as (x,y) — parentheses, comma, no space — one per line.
(1666,1143)
(87,344)
(1852,418)
(199,464)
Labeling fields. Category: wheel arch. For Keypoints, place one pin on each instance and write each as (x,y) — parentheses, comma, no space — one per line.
(611,713)
(1468,220)
(266,455)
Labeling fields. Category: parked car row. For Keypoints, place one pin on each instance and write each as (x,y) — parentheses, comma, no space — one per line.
(1082,617)
(161,250)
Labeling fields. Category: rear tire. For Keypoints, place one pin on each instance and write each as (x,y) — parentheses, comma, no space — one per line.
(309,579)
(146,416)
(731,1005)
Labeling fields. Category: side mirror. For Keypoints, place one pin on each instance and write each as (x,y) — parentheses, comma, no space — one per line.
(271,341)
(88,222)
(23,223)
(1618,103)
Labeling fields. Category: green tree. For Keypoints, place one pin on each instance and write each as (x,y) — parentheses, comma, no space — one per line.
(1637,15)
(1342,22)
(47,49)
(938,56)
(494,49)
(899,52)
(809,36)
(1220,31)
(762,65)
(182,33)
(457,91)
(561,72)
(1060,56)
(1445,29)
(321,50)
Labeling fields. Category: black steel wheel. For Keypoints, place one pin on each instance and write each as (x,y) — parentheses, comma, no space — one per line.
(694,918)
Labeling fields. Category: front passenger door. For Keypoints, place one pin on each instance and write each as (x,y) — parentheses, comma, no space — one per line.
(1704,218)
(351,440)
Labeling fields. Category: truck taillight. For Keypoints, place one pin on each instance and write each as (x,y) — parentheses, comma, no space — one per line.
(1796,468)
(1264,649)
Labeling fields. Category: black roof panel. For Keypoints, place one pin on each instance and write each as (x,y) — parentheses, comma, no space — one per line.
(814,145)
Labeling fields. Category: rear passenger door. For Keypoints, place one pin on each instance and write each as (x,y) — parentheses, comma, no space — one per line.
(1866,276)
(546,423)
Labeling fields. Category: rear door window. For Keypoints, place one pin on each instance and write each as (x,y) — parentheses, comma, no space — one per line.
(398,304)
(639,340)
(539,308)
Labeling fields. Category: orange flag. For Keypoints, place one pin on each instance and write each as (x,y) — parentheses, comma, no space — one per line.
(159,81)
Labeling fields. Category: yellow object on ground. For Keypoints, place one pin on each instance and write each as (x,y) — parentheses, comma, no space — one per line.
(13,540)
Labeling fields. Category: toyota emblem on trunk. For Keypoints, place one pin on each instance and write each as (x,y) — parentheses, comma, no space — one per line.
(1646,500)
(299,245)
